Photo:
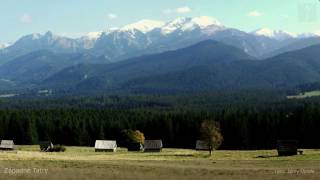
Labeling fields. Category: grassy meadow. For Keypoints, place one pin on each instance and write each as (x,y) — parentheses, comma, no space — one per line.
(83,163)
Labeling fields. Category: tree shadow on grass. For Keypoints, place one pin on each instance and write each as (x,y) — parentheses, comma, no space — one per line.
(173,155)
(267,156)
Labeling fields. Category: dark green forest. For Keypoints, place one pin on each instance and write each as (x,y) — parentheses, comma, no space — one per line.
(247,122)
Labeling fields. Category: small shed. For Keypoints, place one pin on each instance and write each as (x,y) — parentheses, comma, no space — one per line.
(287,147)
(135,147)
(105,146)
(153,145)
(45,146)
(7,145)
(202,145)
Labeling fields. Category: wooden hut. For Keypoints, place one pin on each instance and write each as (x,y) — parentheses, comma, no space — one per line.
(105,146)
(202,145)
(7,145)
(287,147)
(46,146)
(153,145)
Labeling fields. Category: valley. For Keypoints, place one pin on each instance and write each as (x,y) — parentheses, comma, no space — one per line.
(165,89)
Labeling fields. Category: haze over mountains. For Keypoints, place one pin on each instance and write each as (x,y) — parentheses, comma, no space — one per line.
(191,54)
(208,65)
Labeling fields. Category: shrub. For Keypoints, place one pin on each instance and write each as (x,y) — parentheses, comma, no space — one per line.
(133,136)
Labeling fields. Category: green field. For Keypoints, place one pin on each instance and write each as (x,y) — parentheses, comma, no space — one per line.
(83,163)
(305,95)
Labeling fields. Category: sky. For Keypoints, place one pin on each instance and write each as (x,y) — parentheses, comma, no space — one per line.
(77,17)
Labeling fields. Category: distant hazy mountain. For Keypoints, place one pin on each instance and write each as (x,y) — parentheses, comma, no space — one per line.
(36,42)
(88,41)
(207,53)
(281,72)
(39,65)
(149,37)
(296,44)
(143,26)
(2,46)
(179,53)
(209,65)
(274,34)
(254,45)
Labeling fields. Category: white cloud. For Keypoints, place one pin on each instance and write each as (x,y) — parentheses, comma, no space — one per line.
(185,9)
(167,11)
(26,18)
(254,13)
(112,16)
(180,10)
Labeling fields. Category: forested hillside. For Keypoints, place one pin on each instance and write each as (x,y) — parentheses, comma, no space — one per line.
(244,124)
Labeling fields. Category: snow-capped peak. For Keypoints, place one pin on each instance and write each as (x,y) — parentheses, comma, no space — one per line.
(48,35)
(94,35)
(36,36)
(2,46)
(186,24)
(317,33)
(97,34)
(275,34)
(308,35)
(143,26)
(205,21)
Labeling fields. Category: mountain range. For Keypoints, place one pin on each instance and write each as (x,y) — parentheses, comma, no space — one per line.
(148,37)
(208,65)
(186,54)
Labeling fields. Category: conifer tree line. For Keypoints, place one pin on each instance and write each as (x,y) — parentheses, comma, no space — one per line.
(241,127)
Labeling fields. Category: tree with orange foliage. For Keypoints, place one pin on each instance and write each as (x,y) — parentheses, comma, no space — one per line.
(210,131)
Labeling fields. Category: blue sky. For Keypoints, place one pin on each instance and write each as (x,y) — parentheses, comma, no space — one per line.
(75,17)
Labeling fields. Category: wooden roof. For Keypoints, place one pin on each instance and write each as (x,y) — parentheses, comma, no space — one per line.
(202,145)
(153,144)
(7,144)
(104,144)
